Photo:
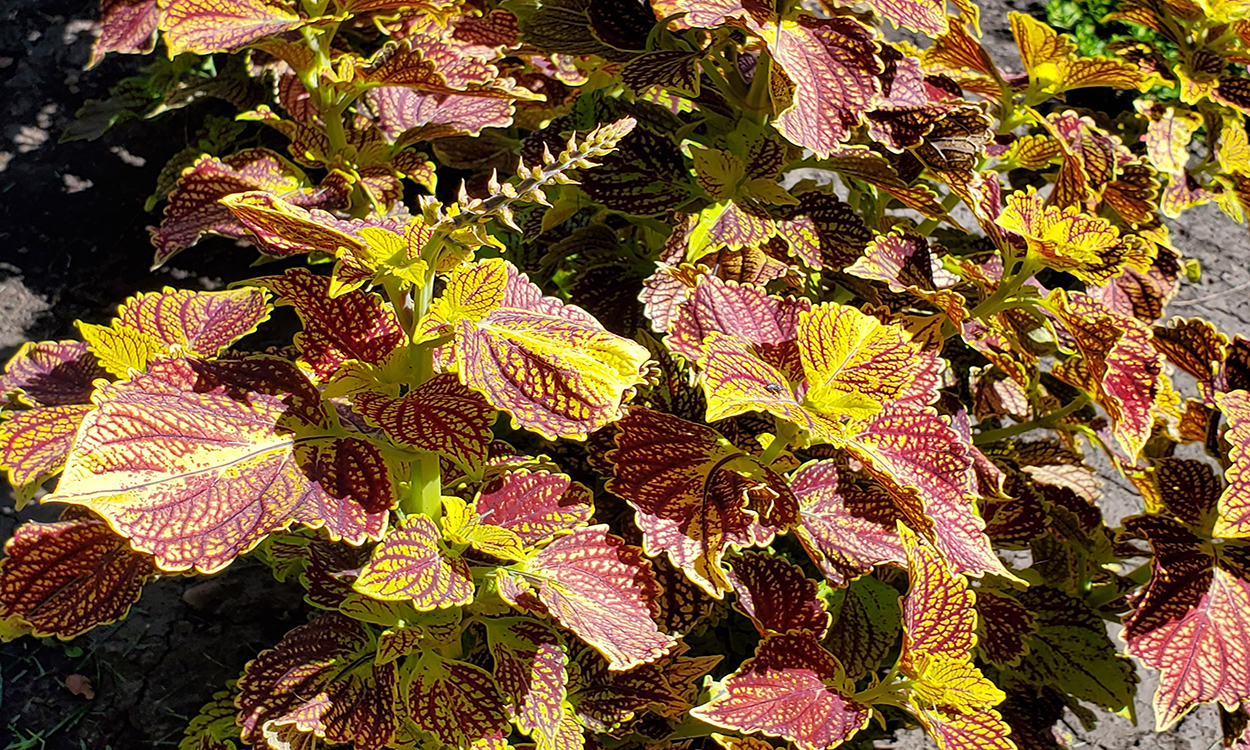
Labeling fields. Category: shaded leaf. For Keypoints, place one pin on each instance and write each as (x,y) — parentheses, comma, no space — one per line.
(695,495)
(777,596)
(321,679)
(846,527)
(65,578)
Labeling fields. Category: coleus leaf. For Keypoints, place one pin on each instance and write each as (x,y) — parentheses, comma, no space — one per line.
(196,462)
(777,596)
(787,690)
(411,564)
(214,726)
(694,494)
(56,379)
(1124,365)
(832,64)
(952,730)
(939,618)
(52,373)
(909,448)
(552,366)
(440,416)
(357,325)
(920,459)
(1234,502)
(174,322)
(1191,623)
(320,679)
(65,578)
(866,621)
(601,589)
(646,174)
(1054,67)
(1005,626)
(205,27)
(453,700)
(847,528)
(925,16)
(1070,649)
(824,231)
(604,700)
(531,670)
(854,362)
(1088,247)
(950,697)
(536,506)
(34,444)
(126,26)
(767,322)
(194,211)
(399,109)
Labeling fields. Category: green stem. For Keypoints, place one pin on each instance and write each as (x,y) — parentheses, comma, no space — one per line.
(425,494)
(1104,595)
(928,225)
(1002,433)
(786,433)
(758,98)
(995,302)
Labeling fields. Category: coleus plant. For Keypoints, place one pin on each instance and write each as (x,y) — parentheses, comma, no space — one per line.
(747,352)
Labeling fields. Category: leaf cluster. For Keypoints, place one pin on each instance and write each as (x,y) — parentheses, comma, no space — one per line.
(669,374)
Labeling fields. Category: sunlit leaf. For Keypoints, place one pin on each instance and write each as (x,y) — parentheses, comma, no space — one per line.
(785,691)
(854,363)
(537,506)
(411,564)
(205,26)
(1123,363)
(174,322)
(1234,503)
(552,366)
(196,462)
(126,26)
(938,614)
(601,589)
(194,211)
(767,322)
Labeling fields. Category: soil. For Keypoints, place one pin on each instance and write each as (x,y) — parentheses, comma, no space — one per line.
(73,244)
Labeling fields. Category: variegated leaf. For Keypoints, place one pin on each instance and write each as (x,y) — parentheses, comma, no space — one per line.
(196,462)
(695,495)
(411,565)
(65,578)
